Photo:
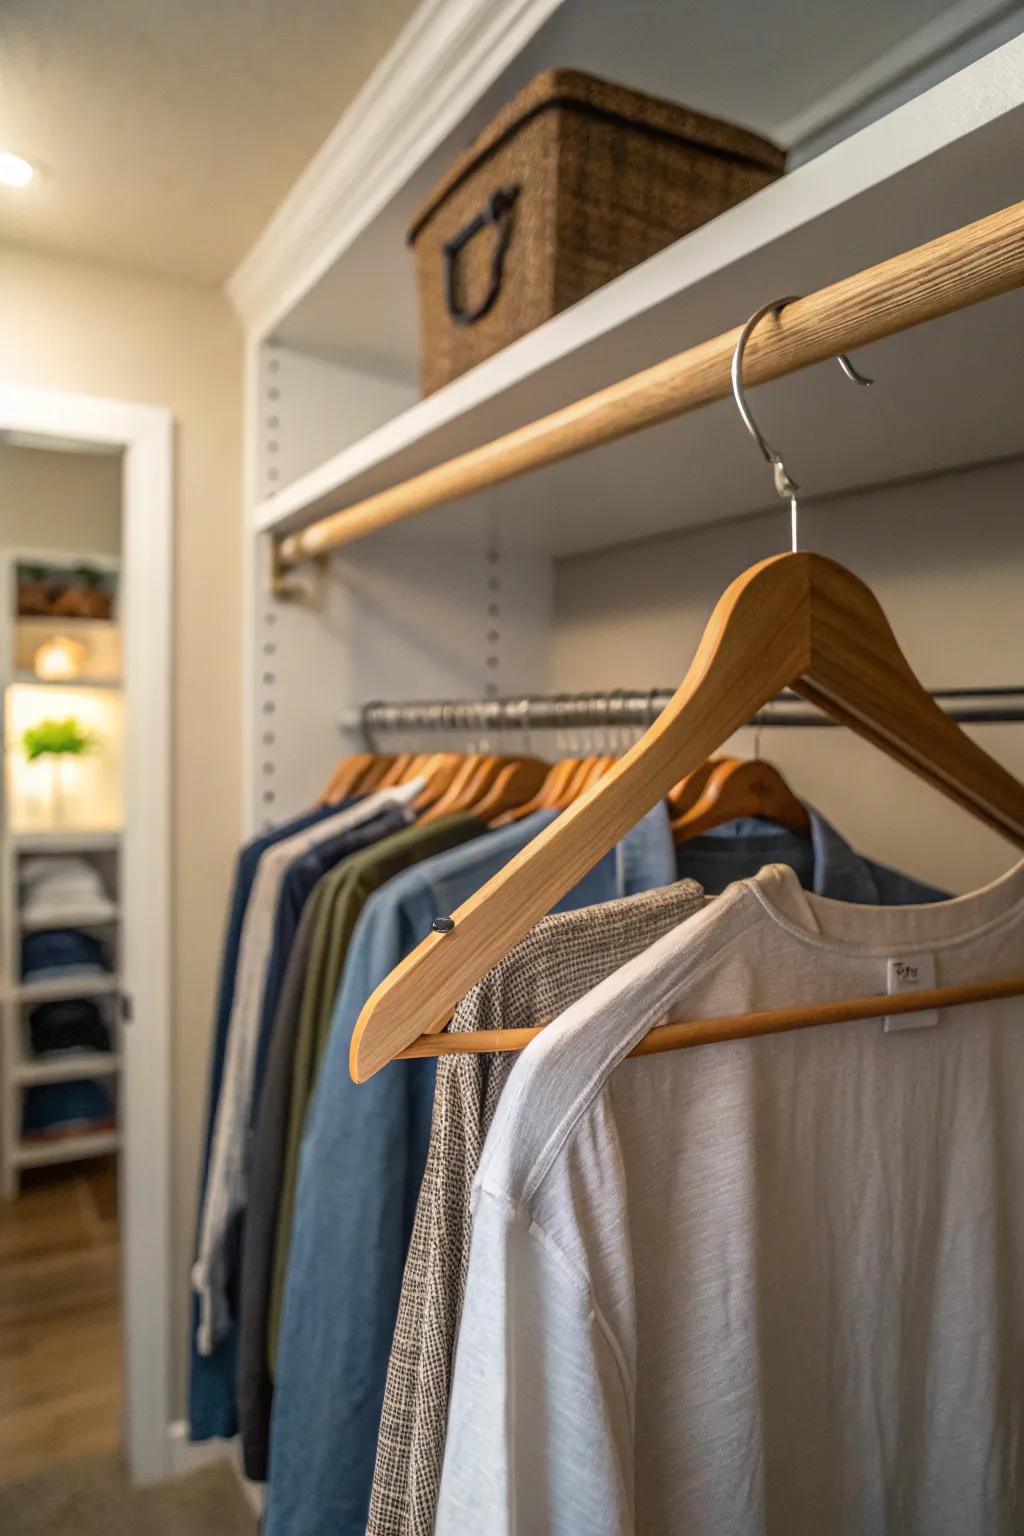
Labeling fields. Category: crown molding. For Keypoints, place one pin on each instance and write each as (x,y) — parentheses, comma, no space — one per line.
(445,58)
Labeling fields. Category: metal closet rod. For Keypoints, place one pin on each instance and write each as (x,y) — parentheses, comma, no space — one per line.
(627,707)
(957,270)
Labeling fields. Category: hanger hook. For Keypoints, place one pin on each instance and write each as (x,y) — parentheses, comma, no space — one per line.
(785,486)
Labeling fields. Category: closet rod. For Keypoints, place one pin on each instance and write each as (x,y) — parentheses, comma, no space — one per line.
(957,270)
(628,707)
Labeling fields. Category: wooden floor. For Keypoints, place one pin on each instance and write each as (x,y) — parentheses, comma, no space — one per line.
(60,1319)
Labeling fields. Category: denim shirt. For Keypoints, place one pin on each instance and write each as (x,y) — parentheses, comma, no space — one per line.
(362,1162)
(824,864)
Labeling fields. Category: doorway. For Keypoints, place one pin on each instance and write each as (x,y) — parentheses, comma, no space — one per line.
(85,648)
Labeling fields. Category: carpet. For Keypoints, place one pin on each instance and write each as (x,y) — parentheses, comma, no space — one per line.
(93,1498)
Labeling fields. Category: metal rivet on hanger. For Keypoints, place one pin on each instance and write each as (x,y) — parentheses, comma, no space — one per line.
(442,924)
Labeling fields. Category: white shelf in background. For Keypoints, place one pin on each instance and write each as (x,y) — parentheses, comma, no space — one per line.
(66,1067)
(65,842)
(82,916)
(65,1149)
(32,681)
(62,987)
(947,394)
(58,621)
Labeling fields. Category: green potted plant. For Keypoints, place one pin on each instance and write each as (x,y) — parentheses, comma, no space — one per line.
(56,740)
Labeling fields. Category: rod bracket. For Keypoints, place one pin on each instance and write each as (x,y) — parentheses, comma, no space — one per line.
(288,585)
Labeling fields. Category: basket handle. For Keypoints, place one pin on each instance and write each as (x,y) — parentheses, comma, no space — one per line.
(498,212)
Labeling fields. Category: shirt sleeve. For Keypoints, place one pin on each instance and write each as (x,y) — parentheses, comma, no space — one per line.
(540,1422)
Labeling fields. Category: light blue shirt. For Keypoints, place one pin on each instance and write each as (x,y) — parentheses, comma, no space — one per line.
(362,1162)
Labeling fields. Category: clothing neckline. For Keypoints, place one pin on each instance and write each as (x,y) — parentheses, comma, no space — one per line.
(873,931)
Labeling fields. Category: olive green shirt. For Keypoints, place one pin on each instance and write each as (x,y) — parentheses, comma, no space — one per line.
(341,896)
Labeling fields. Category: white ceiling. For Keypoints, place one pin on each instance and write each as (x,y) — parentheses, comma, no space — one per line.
(165,132)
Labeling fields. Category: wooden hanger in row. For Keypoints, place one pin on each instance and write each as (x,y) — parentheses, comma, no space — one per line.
(500,790)
(497,789)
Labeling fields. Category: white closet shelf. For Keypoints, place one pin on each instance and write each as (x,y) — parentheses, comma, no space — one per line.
(66,1068)
(31,680)
(65,842)
(66,1149)
(72,621)
(89,985)
(947,394)
(81,916)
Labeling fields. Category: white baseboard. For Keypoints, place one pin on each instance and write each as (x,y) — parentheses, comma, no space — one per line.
(185,1455)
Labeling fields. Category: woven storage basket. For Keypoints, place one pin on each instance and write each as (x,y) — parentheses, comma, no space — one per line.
(573,183)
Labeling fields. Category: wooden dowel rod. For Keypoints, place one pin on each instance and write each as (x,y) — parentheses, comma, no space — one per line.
(953,272)
(744,1026)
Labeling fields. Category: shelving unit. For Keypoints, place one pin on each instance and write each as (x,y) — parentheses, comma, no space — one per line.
(20,1070)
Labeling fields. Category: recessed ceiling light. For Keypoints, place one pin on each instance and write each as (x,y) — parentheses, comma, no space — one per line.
(14,171)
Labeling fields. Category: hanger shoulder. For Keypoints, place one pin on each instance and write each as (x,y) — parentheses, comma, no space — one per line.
(860,677)
(755,641)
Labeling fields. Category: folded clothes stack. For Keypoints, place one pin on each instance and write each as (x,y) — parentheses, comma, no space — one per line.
(54,954)
(56,1110)
(70,1024)
(59,880)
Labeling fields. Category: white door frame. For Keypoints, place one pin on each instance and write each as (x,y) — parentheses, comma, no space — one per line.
(146,436)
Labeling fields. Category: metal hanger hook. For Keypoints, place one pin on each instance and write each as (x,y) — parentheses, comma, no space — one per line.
(785,485)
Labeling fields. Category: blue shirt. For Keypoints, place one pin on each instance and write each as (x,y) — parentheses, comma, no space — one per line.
(363,1155)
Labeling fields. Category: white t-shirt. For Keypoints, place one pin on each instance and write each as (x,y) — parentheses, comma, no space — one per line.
(769,1286)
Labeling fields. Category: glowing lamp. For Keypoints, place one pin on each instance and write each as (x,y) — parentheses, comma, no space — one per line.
(59,659)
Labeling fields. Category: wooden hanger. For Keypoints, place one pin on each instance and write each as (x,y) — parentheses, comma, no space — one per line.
(439,771)
(344,778)
(689,790)
(738,789)
(397,772)
(681,1033)
(599,766)
(551,795)
(515,783)
(475,768)
(796,621)
(373,777)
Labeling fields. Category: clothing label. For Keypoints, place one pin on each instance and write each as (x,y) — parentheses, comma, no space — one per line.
(915,973)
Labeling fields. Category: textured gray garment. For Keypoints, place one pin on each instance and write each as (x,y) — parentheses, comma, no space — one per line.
(772,1286)
(559,960)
